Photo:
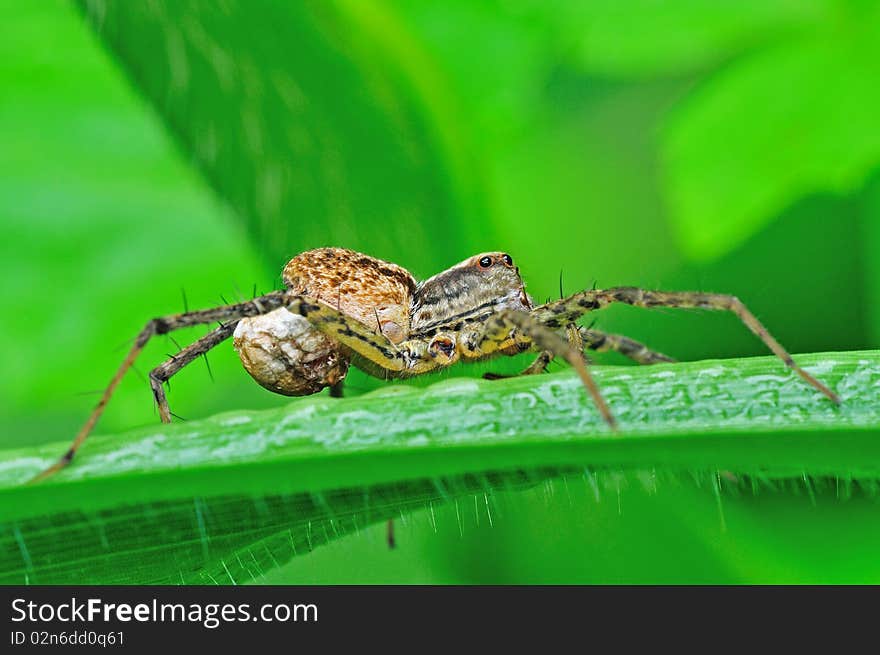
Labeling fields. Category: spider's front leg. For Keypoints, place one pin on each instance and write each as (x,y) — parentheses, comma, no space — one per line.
(499,336)
(600,342)
(634,350)
(562,312)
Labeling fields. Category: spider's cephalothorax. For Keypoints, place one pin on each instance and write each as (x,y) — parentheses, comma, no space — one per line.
(469,292)
(342,308)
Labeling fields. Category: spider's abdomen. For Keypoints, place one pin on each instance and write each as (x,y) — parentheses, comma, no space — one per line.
(286,354)
(375,292)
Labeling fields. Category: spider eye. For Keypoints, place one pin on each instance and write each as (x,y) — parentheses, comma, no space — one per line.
(485,262)
(507,259)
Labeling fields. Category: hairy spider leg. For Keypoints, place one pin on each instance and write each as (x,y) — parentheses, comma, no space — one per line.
(163,325)
(599,342)
(634,350)
(539,365)
(372,350)
(173,365)
(561,312)
(337,390)
(500,333)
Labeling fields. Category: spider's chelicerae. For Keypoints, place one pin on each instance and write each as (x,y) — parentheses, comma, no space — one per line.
(342,308)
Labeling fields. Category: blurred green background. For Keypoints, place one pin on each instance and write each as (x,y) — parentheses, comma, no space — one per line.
(159,154)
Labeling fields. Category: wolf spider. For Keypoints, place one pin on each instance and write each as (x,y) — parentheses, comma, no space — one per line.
(341,307)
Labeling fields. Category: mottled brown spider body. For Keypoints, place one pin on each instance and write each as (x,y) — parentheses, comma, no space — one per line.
(375,292)
(286,354)
(341,307)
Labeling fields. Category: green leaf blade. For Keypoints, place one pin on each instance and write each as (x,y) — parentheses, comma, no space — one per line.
(355,461)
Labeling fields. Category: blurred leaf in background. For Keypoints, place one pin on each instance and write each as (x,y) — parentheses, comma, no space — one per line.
(790,120)
(870,253)
(104,226)
(299,112)
(714,146)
